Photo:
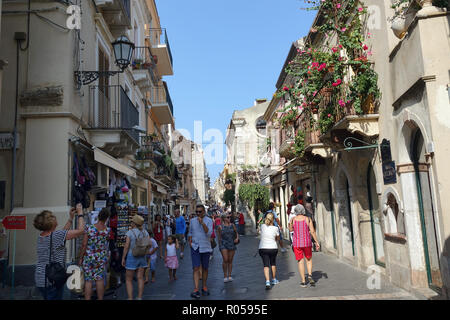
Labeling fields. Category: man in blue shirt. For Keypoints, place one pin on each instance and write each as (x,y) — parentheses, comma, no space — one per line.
(200,230)
(180,229)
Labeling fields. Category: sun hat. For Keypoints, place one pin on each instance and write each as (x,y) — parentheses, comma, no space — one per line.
(138,220)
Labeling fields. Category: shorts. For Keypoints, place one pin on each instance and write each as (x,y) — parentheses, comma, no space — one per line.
(134,263)
(152,263)
(180,238)
(200,258)
(300,252)
(269,257)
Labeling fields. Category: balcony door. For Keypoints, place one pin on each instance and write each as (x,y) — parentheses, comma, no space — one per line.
(104,106)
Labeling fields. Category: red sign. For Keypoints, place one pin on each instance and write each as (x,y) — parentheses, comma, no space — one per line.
(15,222)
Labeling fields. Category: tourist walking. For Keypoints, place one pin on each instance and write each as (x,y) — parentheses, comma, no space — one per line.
(268,249)
(241,224)
(170,257)
(158,231)
(167,227)
(135,261)
(180,231)
(200,230)
(260,221)
(94,255)
(151,257)
(277,224)
(51,246)
(303,228)
(227,237)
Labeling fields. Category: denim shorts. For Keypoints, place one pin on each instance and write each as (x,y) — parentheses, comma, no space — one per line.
(134,263)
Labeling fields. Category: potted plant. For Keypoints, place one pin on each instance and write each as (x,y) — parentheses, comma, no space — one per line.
(405,11)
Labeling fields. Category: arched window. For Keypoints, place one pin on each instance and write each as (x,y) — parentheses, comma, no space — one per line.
(395,218)
(261,126)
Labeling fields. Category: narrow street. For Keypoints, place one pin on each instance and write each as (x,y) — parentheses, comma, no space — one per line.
(335,280)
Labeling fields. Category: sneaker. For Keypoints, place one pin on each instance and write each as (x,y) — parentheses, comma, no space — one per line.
(268,285)
(303,284)
(311,281)
(225,280)
(205,292)
(230,279)
(195,294)
(275,281)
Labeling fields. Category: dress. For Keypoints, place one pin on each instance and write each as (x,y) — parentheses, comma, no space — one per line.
(172,260)
(158,232)
(227,238)
(96,256)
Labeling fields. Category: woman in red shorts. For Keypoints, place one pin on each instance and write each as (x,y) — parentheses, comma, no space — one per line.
(158,230)
(303,228)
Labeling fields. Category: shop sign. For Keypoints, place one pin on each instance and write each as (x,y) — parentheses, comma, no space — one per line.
(7,141)
(303,169)
(389,172)
(15,222)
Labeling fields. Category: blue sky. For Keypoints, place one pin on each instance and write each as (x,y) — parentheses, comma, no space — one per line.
(226,54)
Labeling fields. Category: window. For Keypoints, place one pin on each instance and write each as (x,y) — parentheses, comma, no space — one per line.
(143,200)
(395,220)
(261,126)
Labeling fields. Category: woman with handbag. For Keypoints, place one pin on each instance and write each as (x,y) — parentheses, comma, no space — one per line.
(51,251)
(227,237)
(134,255)
(94,255)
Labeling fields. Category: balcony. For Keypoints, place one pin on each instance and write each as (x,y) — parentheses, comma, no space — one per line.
(143,65)
(287,140)
(149,155)
(160,46)
(161,103)
(111,119)
(117,14)
(312,143)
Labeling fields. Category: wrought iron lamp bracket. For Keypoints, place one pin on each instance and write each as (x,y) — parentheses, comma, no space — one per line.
(348,144)
(86,77)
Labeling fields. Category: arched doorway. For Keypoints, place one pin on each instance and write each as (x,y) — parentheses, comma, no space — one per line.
(333,228)
(375,218)
(345,219)
(426,211)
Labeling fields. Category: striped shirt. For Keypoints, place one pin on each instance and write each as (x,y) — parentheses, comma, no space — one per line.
(301,237)
(58,254)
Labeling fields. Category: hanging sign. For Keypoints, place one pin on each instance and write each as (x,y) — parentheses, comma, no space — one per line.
(389,172)
(385,148)
(15,222)
(7,141)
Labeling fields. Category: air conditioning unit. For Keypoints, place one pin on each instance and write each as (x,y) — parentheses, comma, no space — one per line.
(102,178)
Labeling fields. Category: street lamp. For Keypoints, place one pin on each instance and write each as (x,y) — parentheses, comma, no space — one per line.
(123,50)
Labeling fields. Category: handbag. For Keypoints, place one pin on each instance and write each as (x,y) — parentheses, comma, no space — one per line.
(213,243)
(141,247)
(54,271)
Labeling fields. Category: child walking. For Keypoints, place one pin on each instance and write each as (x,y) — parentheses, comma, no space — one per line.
(152,256)
(170,257)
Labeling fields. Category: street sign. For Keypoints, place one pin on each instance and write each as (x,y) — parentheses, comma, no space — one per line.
(385,148)
(389,172)
(15,222)
(7,141)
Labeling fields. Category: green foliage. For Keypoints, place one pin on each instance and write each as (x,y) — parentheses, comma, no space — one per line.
(229,197)
(363,85)
(250,193)
(299,144)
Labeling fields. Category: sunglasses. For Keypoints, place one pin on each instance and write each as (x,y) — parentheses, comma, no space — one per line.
(199,211)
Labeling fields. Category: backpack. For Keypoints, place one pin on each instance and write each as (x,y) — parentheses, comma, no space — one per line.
(142,245)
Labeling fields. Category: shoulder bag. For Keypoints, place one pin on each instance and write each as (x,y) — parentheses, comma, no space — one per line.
(54,271)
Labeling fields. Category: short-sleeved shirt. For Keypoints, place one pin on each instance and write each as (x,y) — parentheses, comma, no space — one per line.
(180,225)
(58,254)
(154,245)
(268,237)
(133,234)
(241,219)
(200,239)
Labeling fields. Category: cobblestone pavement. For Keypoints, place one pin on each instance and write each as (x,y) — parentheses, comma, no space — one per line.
(335,279)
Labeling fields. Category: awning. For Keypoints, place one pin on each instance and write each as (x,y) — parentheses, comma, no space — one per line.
(161,189)
(109,161)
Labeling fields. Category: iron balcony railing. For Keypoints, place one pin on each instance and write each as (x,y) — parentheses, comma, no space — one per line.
(144,60)
(111,108)
(160,95)
(158,36)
